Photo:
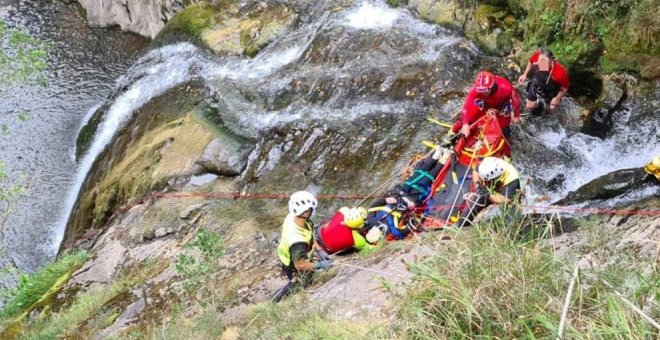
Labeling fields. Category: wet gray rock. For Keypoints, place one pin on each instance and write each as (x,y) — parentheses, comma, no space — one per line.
(224,159)
(130,314)
(108,260)
(144,17)
(608,186)
(612,99)
(189,211)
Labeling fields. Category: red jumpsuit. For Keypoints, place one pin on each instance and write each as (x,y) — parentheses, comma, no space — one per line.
(505,99)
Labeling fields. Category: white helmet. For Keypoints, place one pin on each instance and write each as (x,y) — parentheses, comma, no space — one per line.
(491,168)
(302,201)
(374,235)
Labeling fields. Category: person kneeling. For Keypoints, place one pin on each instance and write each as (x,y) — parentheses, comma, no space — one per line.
(297,243)
(498,183)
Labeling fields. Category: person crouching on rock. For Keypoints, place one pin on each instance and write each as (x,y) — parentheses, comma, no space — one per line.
(344,231)
(498,183)
(297,243)
(548,82)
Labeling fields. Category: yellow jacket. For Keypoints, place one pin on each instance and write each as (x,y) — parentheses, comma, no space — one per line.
(292,233)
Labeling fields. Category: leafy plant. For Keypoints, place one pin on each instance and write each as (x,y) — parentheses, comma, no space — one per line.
(23,58)
(197,269)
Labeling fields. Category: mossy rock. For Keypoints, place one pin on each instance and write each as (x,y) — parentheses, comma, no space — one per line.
(488,16)
(124,170)
(247,33)
(191,21)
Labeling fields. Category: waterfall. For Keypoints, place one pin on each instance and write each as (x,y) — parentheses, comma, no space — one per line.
(154,74)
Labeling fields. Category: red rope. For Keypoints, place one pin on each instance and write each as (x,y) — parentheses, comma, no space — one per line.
(552,208)
(285,196)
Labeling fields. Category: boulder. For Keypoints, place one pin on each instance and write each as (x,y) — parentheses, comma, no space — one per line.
(145,17)
(608,186)
(248,33)
(224,159)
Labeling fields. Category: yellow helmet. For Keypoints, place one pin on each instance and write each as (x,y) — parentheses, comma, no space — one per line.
(354,217)
(653,168)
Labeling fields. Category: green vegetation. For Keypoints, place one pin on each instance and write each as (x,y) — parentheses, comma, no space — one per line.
(205,324)
(31,288)
(298,318)
(504,285)
(23,57)
(197,269)
(615,35)
(192,20)
(88,312)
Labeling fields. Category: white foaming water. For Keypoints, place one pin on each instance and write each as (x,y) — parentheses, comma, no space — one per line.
(604,156)
(371,16)
(173,65)
(261,66)
(599,157)
(154,74)
(552,138)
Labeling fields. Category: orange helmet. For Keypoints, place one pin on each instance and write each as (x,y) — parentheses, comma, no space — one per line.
(484,82)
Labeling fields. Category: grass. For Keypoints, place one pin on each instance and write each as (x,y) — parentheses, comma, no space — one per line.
(67,322)
(197,270)
(499,284)
(33,287)
(89,311)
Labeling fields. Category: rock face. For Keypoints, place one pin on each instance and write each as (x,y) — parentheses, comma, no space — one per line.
(144,17)
(492,27)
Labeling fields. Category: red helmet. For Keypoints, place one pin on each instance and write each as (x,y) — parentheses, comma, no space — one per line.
(484,82)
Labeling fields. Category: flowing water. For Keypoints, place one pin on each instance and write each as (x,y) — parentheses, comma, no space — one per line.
(39,152)
(337,67)
(577,158)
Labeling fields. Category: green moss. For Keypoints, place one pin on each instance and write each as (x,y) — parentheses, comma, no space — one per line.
(575,51)
(397,3)
(193,19)
(622,32)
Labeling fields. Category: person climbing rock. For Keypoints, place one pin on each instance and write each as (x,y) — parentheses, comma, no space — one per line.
(344,231)
(489,93)
(297,243)
(548,82)
(498,182)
